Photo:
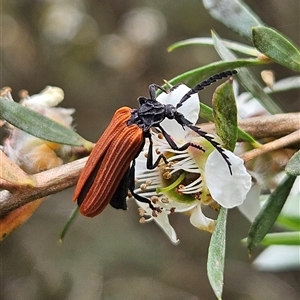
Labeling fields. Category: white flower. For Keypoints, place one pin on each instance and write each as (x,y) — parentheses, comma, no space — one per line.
(192,178)
(48,97)
(252,204)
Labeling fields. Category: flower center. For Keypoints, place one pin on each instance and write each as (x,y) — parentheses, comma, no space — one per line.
(179,183)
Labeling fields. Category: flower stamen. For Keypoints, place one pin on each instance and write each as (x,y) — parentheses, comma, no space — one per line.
(164,200)
(154,199)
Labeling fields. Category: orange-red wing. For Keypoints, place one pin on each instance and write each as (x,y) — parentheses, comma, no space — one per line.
(108,163)
(120,117)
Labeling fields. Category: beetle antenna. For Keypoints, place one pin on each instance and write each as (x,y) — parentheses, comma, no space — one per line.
(202,85)
(184,122)
(214,143)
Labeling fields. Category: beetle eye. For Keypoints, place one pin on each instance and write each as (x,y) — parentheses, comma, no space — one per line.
(170,111)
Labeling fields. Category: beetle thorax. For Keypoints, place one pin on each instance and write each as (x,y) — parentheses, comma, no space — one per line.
(151,113)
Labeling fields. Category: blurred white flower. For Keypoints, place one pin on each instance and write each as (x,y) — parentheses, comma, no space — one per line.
(278,258)
(33,154)
(48,97)
(144,26)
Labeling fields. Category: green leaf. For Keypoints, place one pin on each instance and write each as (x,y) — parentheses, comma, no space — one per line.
(290,222)
(238,47)
(234,14)
(282,85)
(193,77)
(282,238)
(207,113)
(225,114)
(276,46)
(69,223)
(269,213)
(247,79)
(39,125)
(289,217)
(216,254)
(293,166)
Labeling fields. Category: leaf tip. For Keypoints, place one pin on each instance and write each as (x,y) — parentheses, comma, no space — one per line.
(88,145)
(170,48)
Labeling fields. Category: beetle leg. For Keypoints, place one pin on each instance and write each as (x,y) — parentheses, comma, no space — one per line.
(150,164)
(152,90)
(174,146)
(131,187)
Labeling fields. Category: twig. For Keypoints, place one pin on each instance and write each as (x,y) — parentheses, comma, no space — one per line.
(265,126)
(47,183)
(274,145)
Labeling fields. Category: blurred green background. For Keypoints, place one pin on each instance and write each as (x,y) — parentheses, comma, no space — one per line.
(104,54)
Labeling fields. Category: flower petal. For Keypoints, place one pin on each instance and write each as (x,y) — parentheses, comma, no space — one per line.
(251,206)
(49,97)
(228,190)
(140,164)
(200,221)
(190,110)
(162,220)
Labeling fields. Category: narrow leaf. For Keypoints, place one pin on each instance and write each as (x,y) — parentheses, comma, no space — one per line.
(290,222)
(238,47)
(39,125)
(193,77)
(69,224)
(282,238)
(207,113)
(247,79)
(282,85)
(276,46)
(225,114)
(269,213)
(216,255)
(293,166)
(234,14)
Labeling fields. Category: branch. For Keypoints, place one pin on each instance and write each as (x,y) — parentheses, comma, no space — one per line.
(47,183)
(271,146)
(265,126)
